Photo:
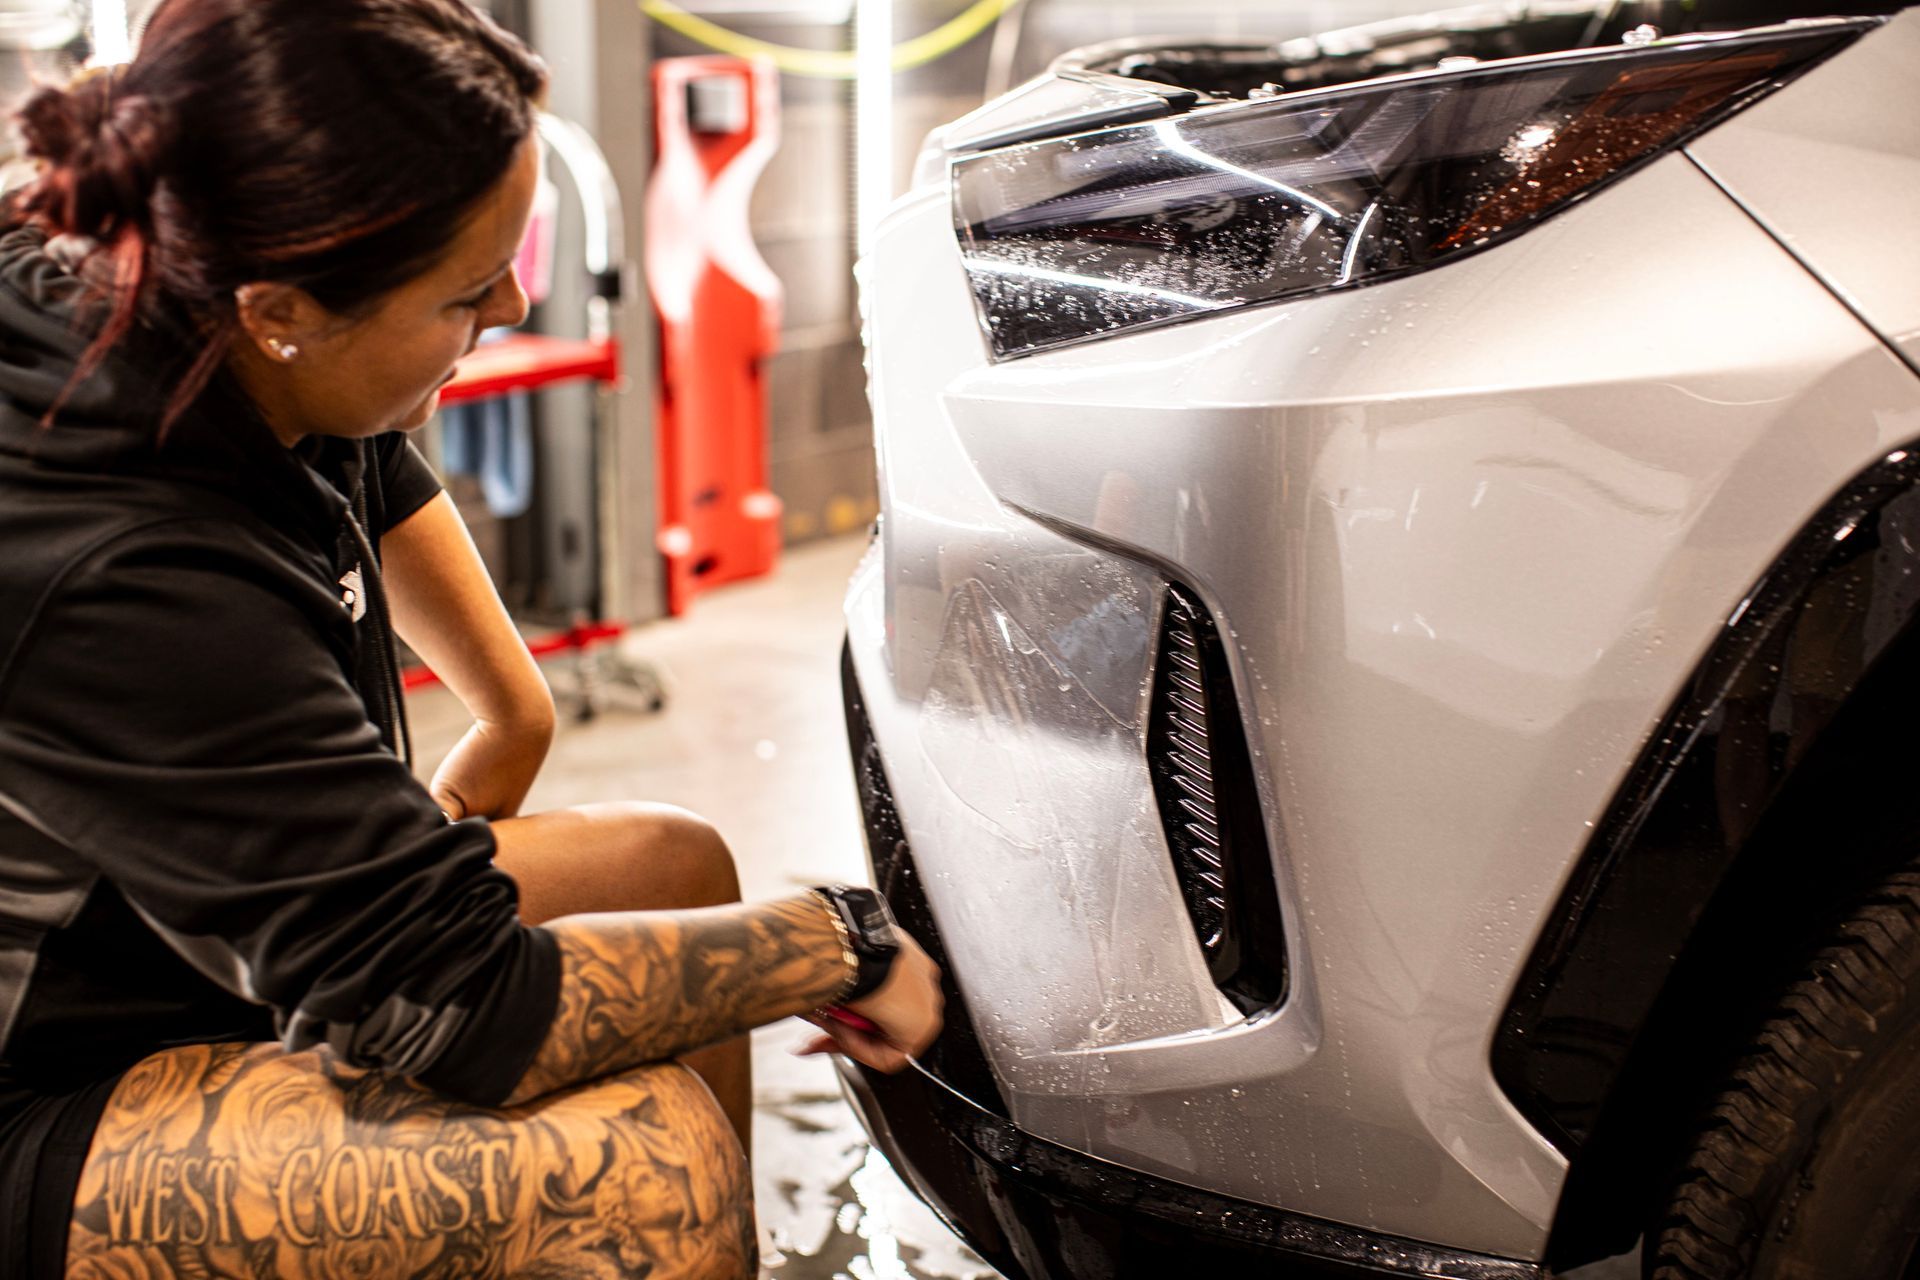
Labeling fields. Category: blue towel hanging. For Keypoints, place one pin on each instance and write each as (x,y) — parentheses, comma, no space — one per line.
(506,463)
(460,449)
(492,439)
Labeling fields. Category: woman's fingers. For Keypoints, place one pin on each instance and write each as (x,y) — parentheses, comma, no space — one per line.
(904,1016)
(863,1047)
(908,1006)
(449,802)
(489,771)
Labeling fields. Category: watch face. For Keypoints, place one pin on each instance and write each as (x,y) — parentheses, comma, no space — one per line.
(873,923)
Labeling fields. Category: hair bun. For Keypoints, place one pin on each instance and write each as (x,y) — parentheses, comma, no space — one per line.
(102,154)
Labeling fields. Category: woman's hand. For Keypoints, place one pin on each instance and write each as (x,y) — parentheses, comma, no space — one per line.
(489,772)
(907,1011)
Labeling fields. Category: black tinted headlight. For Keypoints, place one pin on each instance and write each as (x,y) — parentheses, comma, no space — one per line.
(1125,228)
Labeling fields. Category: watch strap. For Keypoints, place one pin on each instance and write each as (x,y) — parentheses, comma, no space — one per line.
(850,960)
(866,933)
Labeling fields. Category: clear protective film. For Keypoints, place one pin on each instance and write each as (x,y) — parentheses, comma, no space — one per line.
(1042,673)
(1143,225)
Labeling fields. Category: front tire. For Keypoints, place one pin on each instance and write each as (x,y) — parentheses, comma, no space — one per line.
(1808,1167)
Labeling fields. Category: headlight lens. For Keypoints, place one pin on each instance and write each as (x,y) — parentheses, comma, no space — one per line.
(1125,228)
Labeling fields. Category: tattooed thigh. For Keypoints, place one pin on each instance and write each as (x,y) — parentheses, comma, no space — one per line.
(242,1161)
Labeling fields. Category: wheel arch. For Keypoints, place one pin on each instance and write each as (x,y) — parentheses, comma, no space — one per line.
(1771,794)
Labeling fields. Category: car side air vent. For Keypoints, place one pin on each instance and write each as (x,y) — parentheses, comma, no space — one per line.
(1210,806)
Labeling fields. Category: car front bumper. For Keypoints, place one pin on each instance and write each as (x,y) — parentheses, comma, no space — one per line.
(1033,1208)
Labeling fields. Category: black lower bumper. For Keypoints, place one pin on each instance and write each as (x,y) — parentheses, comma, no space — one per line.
(1039,1211)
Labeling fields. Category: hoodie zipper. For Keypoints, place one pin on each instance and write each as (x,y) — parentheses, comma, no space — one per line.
(382,649)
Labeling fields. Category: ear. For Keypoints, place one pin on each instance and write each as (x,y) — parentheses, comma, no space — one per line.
(279,319)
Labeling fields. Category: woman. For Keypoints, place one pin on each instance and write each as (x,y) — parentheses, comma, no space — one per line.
(267,1006)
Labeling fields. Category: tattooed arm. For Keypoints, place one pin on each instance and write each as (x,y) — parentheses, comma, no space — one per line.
(640,987)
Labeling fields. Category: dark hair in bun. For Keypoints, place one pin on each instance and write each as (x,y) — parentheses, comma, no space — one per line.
(103,150)
(337,146)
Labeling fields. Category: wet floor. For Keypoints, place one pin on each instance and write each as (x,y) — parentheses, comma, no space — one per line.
(830,1207)
(752,736)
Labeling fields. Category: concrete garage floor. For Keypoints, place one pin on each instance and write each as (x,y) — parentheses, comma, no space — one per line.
(752,737)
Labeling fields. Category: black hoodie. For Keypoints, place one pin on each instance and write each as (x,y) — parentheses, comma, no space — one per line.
(205,832)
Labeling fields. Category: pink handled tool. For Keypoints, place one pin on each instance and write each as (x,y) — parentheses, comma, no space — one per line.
(848,1018)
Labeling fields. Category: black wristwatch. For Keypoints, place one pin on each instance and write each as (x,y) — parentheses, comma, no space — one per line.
(867,931)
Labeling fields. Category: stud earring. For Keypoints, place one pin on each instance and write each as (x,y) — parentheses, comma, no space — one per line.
(285,350)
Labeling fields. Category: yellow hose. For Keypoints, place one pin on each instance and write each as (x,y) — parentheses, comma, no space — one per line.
(829,64)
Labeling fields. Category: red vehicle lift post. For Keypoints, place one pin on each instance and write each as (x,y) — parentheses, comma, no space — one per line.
(717,122)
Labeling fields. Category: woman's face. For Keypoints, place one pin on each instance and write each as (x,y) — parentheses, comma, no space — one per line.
(383,371)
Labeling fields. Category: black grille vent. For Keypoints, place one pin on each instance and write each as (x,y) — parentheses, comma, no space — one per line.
(1186,770)
(1210,805)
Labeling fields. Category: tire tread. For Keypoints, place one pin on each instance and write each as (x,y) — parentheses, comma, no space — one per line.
(1776,1099)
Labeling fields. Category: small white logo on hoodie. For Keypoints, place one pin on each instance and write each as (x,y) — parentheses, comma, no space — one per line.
(353,594)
